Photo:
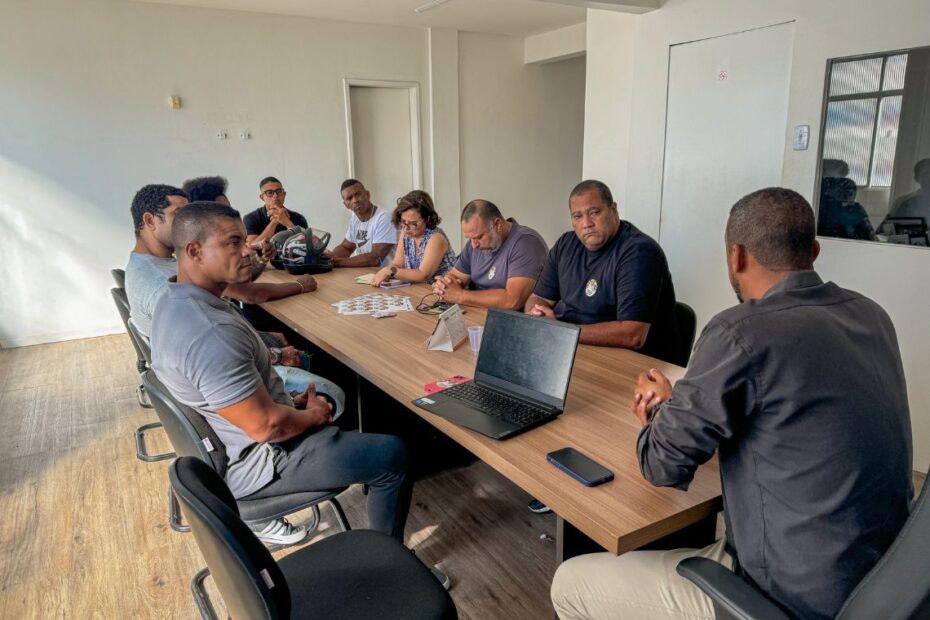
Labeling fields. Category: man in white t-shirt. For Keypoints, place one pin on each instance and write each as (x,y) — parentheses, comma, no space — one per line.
(371,237)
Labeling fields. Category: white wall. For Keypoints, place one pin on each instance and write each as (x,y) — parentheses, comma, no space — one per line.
(84,122)
(522,130)
(895,277)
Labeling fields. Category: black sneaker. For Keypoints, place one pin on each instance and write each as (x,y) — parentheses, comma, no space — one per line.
(538,507)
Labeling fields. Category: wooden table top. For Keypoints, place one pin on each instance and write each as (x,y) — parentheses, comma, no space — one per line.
(391,353)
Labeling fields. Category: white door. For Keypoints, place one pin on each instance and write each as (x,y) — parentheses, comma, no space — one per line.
(382,142)
(725,137)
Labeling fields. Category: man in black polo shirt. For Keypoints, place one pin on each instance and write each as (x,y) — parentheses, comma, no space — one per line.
(271,218)
(610,278)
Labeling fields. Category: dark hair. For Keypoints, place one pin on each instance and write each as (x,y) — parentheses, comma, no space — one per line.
(194,222)
(349,183)
(421,201)
(205,188)
(590,184)
(485,209)
(920,166)
(268,180)
(151,199)
(776,226)
(834,168)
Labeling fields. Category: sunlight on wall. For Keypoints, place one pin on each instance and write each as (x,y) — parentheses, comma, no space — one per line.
(55,286)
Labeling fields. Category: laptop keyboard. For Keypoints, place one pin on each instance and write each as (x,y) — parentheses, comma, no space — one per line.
(499,405)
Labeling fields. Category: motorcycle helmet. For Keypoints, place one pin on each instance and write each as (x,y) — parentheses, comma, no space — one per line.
(302,252)
(278,241)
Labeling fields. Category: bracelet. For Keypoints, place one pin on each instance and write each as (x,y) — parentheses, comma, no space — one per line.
(301,285)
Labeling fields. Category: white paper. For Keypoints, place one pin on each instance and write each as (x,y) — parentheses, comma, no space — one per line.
(449,331)
(374,302)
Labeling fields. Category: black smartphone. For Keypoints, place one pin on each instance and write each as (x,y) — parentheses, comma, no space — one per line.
(580,467)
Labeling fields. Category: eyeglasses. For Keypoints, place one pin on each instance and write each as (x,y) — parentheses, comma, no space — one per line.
(274,192)
(410,223)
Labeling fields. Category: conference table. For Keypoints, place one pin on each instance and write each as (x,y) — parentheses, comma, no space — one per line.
(391,353)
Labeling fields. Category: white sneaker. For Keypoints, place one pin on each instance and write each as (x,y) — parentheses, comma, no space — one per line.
(442,578)
(281,532)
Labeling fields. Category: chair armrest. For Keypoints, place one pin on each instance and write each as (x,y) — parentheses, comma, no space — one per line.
(730,593)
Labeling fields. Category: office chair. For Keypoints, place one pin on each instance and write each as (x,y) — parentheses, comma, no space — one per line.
(358,574)
(119,276)
(191,435)
(897,588)
(687,324)
(142,360)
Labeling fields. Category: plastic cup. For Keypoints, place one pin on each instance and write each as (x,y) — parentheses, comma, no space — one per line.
(474,337)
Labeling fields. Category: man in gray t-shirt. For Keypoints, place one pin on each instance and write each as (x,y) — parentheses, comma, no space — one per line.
(146,279)
(212,360)
(500,264)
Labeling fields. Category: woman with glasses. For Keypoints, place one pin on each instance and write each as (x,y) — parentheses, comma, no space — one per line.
(426,250)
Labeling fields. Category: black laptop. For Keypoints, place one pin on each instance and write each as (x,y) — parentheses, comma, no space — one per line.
(521,379)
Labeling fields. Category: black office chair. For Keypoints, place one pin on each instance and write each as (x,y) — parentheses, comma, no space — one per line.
(119,276)
(687,325)
(143,359)
(191,435)
(897,588)
(356,575)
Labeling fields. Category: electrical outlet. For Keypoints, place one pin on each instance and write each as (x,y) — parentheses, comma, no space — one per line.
(245,135)
(221,134)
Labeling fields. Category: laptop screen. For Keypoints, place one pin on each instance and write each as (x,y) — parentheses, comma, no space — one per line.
(529,355)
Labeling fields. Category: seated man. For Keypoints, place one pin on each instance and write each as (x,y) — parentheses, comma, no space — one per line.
(152,265)
(152,260)
(610,278)
(209,189)
(917,203)
(212,360)
(800,390)
(501,262)
(371,237)
(271,218)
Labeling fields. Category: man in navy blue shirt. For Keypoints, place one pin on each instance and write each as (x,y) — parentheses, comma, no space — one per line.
(610,278)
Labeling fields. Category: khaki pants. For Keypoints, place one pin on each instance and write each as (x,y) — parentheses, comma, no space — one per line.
(638,584)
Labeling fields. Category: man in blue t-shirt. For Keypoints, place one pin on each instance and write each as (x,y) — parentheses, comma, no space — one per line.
(610,278)
(499,265)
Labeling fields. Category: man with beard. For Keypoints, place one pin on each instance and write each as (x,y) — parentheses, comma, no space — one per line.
(499,266)
(800,390)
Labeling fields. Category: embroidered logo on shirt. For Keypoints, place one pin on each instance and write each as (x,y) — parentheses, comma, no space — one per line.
(590,288)
(492,271)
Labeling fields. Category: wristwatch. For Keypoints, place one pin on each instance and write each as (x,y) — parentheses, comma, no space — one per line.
(393,270)
(275,355)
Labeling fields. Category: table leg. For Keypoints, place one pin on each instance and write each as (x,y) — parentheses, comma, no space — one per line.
(570,541)
(358,399)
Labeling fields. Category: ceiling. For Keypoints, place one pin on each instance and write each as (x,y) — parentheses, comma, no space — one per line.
(511,17)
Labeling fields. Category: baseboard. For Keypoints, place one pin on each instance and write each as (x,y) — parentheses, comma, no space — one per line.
(48,337)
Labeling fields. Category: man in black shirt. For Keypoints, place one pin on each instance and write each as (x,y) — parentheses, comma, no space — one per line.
(610,278)
(271,218)
(800,390)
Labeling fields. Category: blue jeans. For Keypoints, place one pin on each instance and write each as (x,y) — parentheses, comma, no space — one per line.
(330,459)
(298,379)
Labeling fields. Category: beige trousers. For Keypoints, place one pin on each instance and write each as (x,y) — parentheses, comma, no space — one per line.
(638,584)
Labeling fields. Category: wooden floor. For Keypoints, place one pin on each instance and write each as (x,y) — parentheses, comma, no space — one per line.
(83,524)
(83,529)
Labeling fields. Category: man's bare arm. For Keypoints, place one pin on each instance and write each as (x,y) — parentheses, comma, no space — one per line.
(624,334)
(264,420)
(260,292)
(512,297)
(368,259)
(343,250)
